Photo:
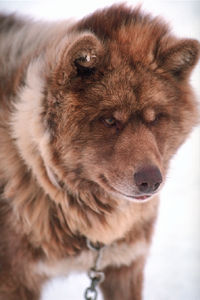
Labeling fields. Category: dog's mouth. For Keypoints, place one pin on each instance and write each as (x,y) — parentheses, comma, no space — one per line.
(141,198)
(135,198)
(138,198)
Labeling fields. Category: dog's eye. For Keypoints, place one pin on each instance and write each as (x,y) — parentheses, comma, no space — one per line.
(159,117)
(109,122)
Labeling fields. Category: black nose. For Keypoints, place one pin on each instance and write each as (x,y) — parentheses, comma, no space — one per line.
(148,179)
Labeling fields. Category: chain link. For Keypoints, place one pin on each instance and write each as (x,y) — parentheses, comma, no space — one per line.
(90,294)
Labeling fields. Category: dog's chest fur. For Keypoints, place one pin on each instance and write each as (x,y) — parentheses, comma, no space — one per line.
(112,255)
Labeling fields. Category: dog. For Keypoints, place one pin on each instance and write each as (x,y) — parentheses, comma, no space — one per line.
(91,113)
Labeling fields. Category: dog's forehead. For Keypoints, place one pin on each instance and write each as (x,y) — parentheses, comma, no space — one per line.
(129,89)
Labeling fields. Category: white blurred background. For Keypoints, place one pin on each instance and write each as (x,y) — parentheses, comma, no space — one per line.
(173,268)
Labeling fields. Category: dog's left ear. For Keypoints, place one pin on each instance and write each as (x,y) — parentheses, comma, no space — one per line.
(81,57)
(180,59)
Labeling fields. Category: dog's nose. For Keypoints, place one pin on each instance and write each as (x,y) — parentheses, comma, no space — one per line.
(148,179)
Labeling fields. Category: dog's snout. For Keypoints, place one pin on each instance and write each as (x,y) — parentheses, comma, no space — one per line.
(148,179)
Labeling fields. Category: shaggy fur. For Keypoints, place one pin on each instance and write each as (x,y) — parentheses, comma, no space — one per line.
(90,115)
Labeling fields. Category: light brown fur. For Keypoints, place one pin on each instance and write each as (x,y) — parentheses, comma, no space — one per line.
(66,174)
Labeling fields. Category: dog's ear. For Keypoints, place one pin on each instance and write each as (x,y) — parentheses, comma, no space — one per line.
(180,59)
(80,57)
(85,55)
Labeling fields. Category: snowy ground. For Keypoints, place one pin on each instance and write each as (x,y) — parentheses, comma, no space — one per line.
(173,268)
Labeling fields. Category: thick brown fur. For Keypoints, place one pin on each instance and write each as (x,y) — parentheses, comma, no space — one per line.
(85,109)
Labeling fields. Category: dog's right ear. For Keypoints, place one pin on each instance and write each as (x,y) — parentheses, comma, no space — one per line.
(81,57)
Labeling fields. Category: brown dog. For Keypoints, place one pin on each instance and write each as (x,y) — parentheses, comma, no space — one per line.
(90,115)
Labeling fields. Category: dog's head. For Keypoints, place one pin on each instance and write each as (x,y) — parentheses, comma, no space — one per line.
(116,104)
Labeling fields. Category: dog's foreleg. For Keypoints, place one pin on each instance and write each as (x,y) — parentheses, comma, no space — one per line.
(124,282)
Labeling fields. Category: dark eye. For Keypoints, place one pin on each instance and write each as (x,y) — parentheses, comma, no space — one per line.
(109,122)
(159,117)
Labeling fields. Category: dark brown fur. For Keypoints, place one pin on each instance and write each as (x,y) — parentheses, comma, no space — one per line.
(65,174)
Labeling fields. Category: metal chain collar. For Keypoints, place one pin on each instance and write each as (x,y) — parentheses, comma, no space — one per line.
(95,274)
